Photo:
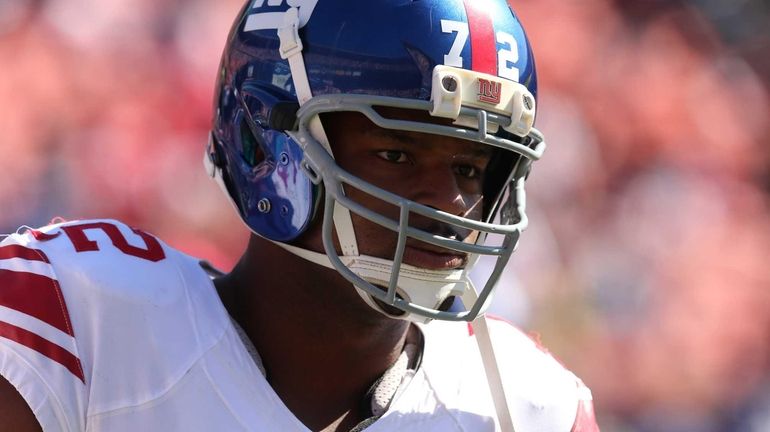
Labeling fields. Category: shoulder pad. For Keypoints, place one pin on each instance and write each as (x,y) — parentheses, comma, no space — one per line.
(112,299)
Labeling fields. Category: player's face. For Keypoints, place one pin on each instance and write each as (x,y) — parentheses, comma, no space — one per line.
(444,173)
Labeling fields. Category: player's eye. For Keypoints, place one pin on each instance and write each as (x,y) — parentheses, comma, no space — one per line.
(395,156)
(467,171)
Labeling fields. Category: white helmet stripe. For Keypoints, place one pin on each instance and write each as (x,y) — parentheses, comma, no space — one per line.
(291,49)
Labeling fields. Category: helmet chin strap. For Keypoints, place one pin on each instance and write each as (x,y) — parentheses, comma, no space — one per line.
(416,285)
(291,50)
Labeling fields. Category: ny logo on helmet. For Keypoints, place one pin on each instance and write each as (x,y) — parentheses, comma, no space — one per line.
(489,91)
(268,14)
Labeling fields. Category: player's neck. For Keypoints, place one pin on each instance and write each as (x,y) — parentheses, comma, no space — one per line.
(320,343)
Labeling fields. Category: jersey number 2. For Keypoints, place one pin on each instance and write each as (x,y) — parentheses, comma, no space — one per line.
(77,234)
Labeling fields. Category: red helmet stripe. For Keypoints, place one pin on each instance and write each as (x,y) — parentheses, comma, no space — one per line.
(482,34)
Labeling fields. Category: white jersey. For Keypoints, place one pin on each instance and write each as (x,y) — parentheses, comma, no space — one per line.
(105,328)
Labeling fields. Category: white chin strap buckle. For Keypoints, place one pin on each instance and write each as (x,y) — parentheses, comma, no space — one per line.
(427,288)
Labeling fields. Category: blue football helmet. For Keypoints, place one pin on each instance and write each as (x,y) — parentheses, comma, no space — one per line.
(288,62)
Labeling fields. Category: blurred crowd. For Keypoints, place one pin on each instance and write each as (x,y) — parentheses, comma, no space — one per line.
(645,266)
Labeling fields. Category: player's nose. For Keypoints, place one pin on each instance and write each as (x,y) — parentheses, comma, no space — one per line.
(437,187)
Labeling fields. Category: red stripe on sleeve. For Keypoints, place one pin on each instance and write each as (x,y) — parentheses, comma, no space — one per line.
(18,251)
(35,295)
(43,346)
(482,34)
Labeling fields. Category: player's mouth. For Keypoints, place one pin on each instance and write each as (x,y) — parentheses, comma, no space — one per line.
(433,258)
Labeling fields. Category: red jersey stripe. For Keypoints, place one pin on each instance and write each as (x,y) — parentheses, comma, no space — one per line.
(18,251)
(482,34)
(35,295)
(43,346)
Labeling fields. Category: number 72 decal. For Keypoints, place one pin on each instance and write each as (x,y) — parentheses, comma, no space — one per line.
(507,54)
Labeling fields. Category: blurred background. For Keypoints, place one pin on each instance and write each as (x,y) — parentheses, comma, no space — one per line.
(646,267)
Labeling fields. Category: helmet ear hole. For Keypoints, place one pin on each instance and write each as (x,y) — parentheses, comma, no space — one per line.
(221,161)
(251,149)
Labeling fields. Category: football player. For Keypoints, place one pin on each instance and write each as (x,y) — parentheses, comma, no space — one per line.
(376,149)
